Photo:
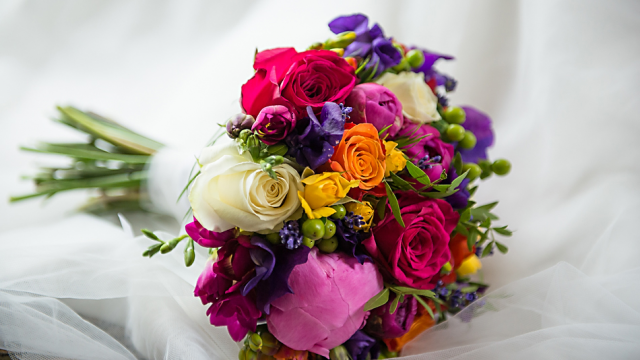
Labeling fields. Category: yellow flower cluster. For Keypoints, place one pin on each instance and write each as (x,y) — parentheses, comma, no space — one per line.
(323,190)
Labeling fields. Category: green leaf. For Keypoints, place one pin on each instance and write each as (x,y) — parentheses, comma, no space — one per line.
(465,216)
(437,195)
(469,289)
(456,182)
(473,190)
(426,306)
(472,238)
(148,233)
(401,183)
(462,229)
(412,291)
(97,154)
(486,223)
(187,186)
(503,231)
(393,201)
(417,173)
(394,304)
(457,163)
(378,300)
(487,207)
(384,129)
(502,248)
(487,249)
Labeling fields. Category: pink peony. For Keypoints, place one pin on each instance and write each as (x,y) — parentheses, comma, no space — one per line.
(326,307)
(376,105)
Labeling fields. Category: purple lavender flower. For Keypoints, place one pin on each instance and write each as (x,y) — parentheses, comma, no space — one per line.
(361,345)
(291,235)
(479,124)
(312,141)
(369,42)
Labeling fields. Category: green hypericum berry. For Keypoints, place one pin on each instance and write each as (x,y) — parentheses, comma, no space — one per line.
(501,167)
(255,342)
(328,245)
(273,238)
(468,141)
(329,229)
(415,58)
(455,132)
(341,211)
(474,170)
(313,229)
(308,242)
(455,115)
(402,66)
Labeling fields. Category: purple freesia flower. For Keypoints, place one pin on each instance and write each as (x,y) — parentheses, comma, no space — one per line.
(429,72)
(264,260)
(361,345)
(208,238)
(277,284)
(312,141)
(369,42)
(384,325)
(479,124)
(460,198)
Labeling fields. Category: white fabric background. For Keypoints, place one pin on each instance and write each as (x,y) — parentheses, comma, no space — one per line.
(561,80)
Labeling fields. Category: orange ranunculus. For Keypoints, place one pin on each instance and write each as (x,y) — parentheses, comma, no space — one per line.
(360,155)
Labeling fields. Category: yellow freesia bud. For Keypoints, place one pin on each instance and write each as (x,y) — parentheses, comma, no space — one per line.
(322,190)
(363,209)
(395,160)
(341,40)
(470,265)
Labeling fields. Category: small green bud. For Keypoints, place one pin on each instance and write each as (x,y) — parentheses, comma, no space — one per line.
(446,268)
(274,238)
(189,253)
(468,141)
(455,115)
(278,149)
(399,47)
(255,342)
(242,354)
(485,165)
(244,134)
(339,353)
(308,242)
(415,58)
(251,355)
(266,167)
(455,132)
(328,245)
(275,160)
(501,167)
(315,46)
(402,66)
(474,170)
(270,345)
(341,40)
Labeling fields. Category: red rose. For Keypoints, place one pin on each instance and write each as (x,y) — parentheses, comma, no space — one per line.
(297,80)
(414,255)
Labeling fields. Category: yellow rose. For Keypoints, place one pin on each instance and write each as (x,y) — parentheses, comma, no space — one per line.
(470,265)
(322,190)
(395,160)
(363,209)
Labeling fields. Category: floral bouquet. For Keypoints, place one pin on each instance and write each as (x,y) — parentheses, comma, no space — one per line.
(337,212)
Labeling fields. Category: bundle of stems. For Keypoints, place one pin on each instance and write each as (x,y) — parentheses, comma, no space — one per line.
(111,161)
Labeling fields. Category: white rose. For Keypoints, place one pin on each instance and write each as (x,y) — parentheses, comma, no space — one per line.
(419,103)
(232,190)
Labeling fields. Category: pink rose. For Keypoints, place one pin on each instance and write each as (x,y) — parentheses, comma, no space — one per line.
(414,254)
(375,104)
(326,307)
(274,123)
(431,154)
(285,77)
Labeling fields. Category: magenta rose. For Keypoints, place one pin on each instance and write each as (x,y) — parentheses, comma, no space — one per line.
(327,304)
(274,123)
(431,154)
(375,104)
(297,80)
(413,255)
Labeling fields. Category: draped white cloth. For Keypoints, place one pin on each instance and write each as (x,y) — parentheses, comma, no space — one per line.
(561,80)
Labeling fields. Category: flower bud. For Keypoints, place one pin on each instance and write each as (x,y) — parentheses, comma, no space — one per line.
(315,46)
(341,40)
(278,149)
(238,123)
(446,268)
(275,160)
(339,353)
(255,342)
(244,135)
(270,345)
(415,58)
(251,355)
